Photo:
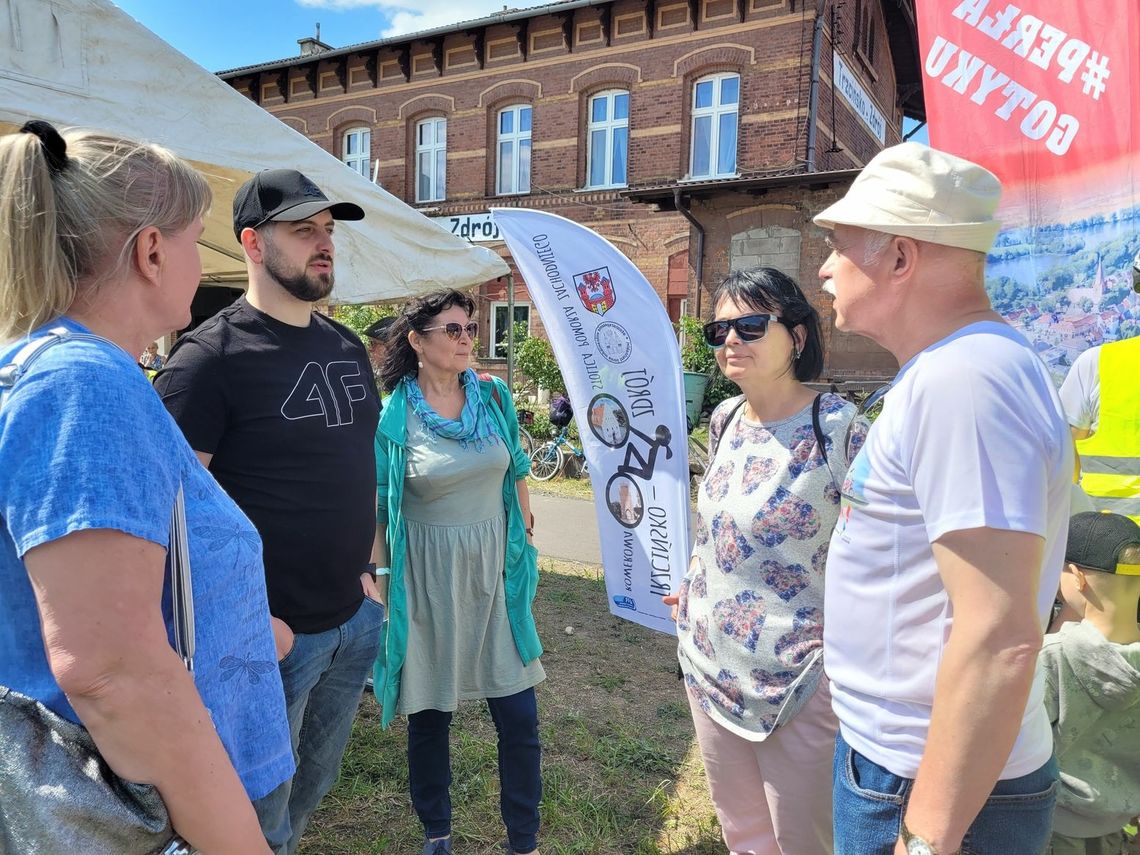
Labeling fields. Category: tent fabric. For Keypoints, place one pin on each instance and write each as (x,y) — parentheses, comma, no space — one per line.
(86,63)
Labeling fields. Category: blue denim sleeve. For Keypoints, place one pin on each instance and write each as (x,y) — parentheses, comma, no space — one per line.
(86,444)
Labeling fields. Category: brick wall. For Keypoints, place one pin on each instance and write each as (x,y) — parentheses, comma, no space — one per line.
(554,63)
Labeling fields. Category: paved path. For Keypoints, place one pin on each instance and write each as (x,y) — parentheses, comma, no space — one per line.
(567,528)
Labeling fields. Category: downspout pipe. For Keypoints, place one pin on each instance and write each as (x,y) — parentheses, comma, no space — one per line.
(813,92)
(683,208)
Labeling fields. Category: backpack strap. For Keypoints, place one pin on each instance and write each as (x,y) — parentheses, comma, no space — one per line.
(714,436)
(484,377)
(817,429)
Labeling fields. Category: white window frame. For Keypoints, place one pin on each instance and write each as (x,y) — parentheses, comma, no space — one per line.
(438,182)
(715,111)
(491,345)
(361,161)
(608,127)
(516,138)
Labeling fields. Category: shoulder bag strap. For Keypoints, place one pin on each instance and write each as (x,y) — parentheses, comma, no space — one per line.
(182,598)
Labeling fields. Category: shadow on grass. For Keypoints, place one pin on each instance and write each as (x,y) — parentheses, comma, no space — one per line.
(621,774)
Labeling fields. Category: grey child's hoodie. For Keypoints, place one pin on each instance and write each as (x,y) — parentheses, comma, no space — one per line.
(1092,695)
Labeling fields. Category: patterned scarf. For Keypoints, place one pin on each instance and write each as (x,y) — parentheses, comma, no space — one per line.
(473,429)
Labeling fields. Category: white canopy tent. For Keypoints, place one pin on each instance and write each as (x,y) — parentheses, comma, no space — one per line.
(86,63)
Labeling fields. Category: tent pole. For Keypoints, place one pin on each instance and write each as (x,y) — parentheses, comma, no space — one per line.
(511,332)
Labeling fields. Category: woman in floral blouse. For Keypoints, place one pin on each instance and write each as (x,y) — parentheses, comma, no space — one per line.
(750,610)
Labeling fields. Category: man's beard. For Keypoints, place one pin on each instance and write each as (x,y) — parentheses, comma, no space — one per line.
(308,287)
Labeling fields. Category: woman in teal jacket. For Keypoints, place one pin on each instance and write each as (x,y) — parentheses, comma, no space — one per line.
(454,519)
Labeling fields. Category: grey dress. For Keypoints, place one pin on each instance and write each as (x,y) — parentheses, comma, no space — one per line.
(460,645)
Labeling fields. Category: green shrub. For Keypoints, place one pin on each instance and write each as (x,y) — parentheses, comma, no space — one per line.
(359,317)
(535,358)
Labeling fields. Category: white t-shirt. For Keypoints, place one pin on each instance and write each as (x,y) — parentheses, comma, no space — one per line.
(971,435)
(1080,393)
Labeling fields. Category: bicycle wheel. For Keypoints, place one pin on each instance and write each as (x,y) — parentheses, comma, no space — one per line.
(545,461)
(526,441)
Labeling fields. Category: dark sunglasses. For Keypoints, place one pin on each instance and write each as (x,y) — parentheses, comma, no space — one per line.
(454,330)
(748,327)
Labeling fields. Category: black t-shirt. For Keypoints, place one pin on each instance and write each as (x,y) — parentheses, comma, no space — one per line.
(289,415)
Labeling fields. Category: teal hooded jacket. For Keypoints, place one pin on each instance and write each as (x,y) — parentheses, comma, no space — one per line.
(520,568)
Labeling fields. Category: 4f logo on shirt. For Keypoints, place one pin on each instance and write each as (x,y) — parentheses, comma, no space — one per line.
(329,391)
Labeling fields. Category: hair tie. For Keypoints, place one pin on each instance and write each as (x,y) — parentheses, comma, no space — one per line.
(54,146)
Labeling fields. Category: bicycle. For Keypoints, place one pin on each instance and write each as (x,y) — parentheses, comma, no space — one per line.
(525,439)
(698,455)
(551,457)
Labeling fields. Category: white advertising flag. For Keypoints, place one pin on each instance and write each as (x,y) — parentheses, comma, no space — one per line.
(618,355)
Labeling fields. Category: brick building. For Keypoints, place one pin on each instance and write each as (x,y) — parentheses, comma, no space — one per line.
(696,135)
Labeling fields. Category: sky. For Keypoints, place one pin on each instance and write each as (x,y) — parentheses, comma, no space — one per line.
(224,34)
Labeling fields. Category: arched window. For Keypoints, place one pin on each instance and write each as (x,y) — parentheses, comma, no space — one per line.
(513,160)
(608,139)
(356,150)
(716,104)
(431,160)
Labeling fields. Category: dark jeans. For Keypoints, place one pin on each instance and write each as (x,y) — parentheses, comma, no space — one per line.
(520,783)
(869,802)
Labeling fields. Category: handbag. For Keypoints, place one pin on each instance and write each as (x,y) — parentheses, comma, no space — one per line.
(57,793)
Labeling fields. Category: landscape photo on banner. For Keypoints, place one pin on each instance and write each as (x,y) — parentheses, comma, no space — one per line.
(1042,93)
(618,355)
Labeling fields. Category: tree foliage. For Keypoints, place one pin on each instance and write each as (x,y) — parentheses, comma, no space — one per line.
(359,317)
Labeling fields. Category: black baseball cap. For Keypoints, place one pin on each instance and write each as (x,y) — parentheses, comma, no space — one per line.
(284,195)
(1097,539)
(379,329)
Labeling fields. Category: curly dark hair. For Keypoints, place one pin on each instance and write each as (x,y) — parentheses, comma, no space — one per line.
(768,290)
(418,314)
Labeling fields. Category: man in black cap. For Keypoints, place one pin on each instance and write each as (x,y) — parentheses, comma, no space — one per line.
(280,404)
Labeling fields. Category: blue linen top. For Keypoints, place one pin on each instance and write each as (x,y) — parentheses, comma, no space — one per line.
(85,443)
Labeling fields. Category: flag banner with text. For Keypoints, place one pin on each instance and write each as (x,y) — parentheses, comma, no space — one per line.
(618,355)
(1044,94)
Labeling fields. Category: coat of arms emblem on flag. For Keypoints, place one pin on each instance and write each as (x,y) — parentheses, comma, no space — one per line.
(595,290)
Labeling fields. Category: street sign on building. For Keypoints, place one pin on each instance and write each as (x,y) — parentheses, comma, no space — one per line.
(477,228)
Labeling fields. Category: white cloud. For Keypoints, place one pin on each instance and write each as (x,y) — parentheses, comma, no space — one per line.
(404,18)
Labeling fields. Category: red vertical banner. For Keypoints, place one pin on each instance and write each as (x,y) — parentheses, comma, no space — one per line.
(1046,94)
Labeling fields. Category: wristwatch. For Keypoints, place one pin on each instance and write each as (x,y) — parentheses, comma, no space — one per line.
(915,845)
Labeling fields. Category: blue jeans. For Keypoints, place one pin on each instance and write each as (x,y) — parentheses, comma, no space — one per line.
(520,782)
(869,802)
(323,675)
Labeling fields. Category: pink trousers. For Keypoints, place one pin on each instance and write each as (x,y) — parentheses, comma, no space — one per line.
(773,797)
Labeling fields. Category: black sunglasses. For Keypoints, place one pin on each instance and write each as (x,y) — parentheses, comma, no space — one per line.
(748,327)
(454,330)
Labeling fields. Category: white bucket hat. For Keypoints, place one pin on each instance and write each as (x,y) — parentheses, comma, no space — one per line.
(923,193)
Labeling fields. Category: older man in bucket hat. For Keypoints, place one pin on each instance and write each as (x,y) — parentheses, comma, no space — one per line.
(943,565)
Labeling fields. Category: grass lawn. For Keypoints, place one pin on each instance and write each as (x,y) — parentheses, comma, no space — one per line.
(621,772)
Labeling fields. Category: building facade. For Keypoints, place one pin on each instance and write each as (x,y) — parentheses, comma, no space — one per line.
(697,136)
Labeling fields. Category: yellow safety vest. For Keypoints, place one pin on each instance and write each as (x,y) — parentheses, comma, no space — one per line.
(1110,458)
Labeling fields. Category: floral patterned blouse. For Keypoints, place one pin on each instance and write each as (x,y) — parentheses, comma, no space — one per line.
(750,617)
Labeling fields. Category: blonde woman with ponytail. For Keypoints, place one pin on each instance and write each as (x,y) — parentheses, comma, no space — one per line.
(98,247)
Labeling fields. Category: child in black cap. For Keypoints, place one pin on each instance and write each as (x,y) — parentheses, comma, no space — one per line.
(1091,670)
